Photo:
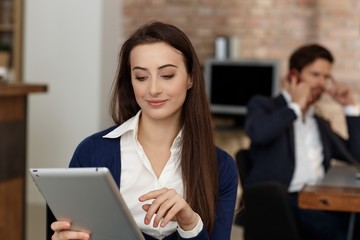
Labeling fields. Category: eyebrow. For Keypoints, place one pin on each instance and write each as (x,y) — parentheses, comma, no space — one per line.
(161,67)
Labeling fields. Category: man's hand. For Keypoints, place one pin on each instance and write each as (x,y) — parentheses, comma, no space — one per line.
(340,93)
(299,91)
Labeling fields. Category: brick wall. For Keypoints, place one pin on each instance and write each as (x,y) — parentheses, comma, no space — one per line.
(265,29)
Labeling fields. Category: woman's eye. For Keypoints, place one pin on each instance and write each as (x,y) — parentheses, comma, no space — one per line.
(140,78)
(169,76)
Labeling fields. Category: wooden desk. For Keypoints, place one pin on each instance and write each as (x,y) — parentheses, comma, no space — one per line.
(13,111)
(338,191)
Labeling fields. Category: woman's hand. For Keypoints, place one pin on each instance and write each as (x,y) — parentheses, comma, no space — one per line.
(62,232)
(168,206)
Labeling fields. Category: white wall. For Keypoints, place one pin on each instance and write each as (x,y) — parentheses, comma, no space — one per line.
(72,46)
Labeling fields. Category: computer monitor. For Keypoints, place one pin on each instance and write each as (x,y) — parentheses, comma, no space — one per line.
(231,83)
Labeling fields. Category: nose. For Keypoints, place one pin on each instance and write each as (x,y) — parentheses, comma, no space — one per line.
(155,87)
(323,81)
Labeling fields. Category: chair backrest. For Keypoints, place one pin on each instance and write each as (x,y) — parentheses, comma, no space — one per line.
(243,163)
(268,213)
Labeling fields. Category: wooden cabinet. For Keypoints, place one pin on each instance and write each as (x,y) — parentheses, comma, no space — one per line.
(13,115)
(11,29)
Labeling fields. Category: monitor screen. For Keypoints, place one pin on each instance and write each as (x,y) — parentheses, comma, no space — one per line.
(231,83)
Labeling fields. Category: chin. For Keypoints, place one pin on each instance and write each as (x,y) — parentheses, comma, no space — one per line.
(315,97)
(161,114)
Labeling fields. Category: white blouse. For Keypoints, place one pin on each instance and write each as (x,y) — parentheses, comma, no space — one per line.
(138,177)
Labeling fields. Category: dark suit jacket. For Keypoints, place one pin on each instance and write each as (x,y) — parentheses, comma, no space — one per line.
(269,124)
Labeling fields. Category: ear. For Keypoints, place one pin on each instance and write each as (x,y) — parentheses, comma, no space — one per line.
(190,83)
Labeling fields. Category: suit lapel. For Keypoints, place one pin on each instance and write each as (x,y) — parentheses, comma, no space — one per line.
(281,102)
(325,130)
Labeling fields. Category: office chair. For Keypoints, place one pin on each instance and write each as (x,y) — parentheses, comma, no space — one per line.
(243,163)
(267,213)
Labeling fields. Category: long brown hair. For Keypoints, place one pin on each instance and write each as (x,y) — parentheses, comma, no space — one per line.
(198,163)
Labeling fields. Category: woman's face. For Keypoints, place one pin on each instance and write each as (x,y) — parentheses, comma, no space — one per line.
(159,79)
(317,75)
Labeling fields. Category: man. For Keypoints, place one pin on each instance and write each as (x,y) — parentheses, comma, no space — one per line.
(292,145)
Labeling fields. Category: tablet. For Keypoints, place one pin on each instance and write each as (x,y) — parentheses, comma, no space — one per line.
(90,199)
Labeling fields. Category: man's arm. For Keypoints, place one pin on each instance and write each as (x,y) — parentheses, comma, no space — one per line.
(266,120)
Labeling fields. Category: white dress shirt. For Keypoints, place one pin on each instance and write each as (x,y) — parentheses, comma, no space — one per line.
(309,154)
(138,177)
(308,148)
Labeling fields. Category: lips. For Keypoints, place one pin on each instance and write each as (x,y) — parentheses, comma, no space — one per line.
(315,95)
(156,103)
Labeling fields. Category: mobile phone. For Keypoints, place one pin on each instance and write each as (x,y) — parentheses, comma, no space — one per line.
(293,72)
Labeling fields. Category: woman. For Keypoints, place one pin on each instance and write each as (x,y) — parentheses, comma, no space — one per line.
(161,153)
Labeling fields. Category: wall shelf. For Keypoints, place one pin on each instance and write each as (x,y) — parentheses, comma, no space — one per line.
(11,30)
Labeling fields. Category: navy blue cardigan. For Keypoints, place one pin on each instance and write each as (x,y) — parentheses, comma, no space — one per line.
(96,151)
